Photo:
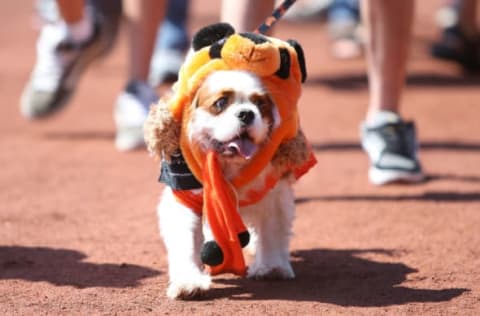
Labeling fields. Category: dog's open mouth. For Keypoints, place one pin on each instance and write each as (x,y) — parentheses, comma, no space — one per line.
(242,145)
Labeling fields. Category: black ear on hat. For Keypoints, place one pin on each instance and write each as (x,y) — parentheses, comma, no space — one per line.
(211,34)
(256,38)
(301,58)
(284,70)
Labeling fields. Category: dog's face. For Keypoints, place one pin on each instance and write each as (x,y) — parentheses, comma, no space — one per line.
(232,114)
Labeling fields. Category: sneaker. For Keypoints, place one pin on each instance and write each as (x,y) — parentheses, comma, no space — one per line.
(392,148)
(455,46)
(165,66)
(60,62)
(131,110)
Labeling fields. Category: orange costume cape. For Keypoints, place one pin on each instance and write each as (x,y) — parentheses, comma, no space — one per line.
(280,66)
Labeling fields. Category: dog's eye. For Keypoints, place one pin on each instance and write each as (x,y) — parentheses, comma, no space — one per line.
(221,103)
(259,102)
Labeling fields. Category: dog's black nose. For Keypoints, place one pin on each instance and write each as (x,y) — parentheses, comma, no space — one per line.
(246,117)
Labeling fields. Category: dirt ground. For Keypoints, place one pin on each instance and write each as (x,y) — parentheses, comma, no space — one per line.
(78,230)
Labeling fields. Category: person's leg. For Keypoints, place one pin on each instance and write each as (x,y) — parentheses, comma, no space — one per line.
(468,18)
(389,141)
(171,44)
(460,38)
(388,26)
(71,10)
(79,22)
(173,34)
(246,15)
(343,28)
(143,18)
(131,109)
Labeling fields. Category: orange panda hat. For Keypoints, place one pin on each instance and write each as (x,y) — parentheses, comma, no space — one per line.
(280,66)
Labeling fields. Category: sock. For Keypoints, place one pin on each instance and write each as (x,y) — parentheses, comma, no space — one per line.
(383,117)
(82,30)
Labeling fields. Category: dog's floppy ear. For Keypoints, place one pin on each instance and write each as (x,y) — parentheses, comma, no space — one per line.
(161,131)
(211,34)
(294,152)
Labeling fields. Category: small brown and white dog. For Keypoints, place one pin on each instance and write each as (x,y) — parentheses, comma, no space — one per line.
(236,101)
(233,115)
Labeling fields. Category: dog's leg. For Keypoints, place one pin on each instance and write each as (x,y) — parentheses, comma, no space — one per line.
(272,220)
(182,234)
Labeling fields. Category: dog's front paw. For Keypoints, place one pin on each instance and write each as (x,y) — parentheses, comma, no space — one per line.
(189,287)
(274,272)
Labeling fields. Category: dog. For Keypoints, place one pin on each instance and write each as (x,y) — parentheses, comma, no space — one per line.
(234,117)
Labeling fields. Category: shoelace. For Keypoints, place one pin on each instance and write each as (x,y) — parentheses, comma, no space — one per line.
(396,141)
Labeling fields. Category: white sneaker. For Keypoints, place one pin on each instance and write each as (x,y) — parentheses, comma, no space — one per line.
(130,113)
(60,62)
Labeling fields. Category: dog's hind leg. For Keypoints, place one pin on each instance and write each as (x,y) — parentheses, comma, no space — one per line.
(181,230)
(272,220)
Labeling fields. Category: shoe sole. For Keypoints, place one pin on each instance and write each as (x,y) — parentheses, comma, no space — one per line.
(382,176)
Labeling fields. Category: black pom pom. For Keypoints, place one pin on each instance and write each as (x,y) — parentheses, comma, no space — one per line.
(284,70)
(211,253)
(210,34)
(244,238)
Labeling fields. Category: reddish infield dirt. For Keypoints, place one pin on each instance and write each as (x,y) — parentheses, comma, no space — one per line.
(78,229)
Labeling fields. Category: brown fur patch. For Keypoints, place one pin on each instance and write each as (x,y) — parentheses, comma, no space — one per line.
(161,131)
(292,153)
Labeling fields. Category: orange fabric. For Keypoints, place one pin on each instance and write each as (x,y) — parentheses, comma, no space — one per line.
(261,59)
(221,209)
(194,201)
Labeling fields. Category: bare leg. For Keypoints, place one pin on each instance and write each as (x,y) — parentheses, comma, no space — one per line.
(143,18)
(246,15)
(388,26)
(468,18)
(79,24)
(71,10)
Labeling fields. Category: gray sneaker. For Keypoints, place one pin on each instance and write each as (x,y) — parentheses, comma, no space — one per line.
(131,110)
(392,148)
(60,62)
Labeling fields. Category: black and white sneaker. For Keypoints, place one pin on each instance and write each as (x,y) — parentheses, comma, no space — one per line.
(59,65)
(392,148)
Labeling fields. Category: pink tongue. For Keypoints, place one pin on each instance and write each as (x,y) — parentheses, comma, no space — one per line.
(245,147)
